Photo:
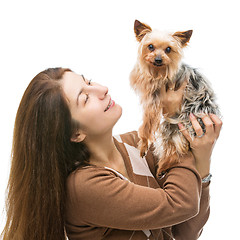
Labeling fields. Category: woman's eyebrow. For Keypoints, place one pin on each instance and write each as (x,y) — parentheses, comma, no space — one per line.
(81,90)
(83,78)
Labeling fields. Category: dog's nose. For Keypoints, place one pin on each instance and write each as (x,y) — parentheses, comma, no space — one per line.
(158,60)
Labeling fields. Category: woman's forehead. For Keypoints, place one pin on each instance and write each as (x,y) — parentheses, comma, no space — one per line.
(72,84)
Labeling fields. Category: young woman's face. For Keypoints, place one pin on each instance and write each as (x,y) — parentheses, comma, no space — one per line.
(90,104)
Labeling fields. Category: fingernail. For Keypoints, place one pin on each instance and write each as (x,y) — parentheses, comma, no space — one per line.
(180,125)
(203,114)
(192,116)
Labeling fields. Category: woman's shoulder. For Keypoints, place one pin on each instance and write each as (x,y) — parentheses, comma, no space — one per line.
(86,174)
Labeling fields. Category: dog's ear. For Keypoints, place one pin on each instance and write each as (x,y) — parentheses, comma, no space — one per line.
(183,37)
(141,30)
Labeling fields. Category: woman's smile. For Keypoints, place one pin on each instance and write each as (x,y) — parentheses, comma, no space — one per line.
(110,105)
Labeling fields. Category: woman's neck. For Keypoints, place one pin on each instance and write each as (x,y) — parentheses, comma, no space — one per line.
(103,150)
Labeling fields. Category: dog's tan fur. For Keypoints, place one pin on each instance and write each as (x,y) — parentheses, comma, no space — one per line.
(148,79)
(149,76)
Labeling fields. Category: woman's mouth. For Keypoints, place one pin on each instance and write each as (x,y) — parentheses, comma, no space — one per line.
(110,104)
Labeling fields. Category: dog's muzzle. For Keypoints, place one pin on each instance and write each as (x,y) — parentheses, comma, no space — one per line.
(158,61)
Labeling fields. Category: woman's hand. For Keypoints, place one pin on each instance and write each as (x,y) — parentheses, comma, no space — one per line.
(203,144)
(172,100)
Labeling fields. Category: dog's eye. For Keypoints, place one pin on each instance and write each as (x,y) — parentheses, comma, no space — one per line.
(151,47)
(168,50)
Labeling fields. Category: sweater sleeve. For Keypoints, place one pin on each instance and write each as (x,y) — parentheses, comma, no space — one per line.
(192,229)
(99,198)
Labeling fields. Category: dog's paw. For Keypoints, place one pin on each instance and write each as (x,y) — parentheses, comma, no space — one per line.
(143,147)
(142,153)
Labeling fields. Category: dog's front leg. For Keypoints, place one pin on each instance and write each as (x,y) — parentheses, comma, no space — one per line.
(146,130)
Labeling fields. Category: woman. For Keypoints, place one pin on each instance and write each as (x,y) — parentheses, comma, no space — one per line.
(68,172)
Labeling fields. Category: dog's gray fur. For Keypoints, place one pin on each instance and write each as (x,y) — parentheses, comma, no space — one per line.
(198,99)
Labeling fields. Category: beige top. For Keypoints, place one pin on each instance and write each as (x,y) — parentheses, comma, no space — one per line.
(102,204)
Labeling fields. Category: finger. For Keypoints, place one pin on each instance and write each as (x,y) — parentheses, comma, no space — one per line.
(196,126)
(185,132)
(208,123)
(217,124)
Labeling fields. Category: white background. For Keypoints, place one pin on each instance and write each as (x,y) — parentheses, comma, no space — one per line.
(96,38)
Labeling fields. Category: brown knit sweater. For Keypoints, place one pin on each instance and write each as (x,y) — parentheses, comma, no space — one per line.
(102,204)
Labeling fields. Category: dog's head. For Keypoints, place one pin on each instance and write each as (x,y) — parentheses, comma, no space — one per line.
(160,52)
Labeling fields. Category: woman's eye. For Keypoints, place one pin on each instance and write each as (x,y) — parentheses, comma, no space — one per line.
(151,47)
(89,82)
(168,50)
(87,97)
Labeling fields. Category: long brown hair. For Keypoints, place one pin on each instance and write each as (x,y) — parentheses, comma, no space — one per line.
(42,158)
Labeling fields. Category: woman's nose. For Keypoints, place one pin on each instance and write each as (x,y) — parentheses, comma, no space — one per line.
(100,91)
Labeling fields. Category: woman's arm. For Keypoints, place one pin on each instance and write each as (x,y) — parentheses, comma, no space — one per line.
(202,149)
(97,197)
(192,229)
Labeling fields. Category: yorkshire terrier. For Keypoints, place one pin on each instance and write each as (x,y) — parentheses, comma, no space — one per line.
(159,65)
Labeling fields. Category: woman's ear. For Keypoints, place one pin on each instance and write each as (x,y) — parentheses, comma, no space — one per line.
(78,137)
